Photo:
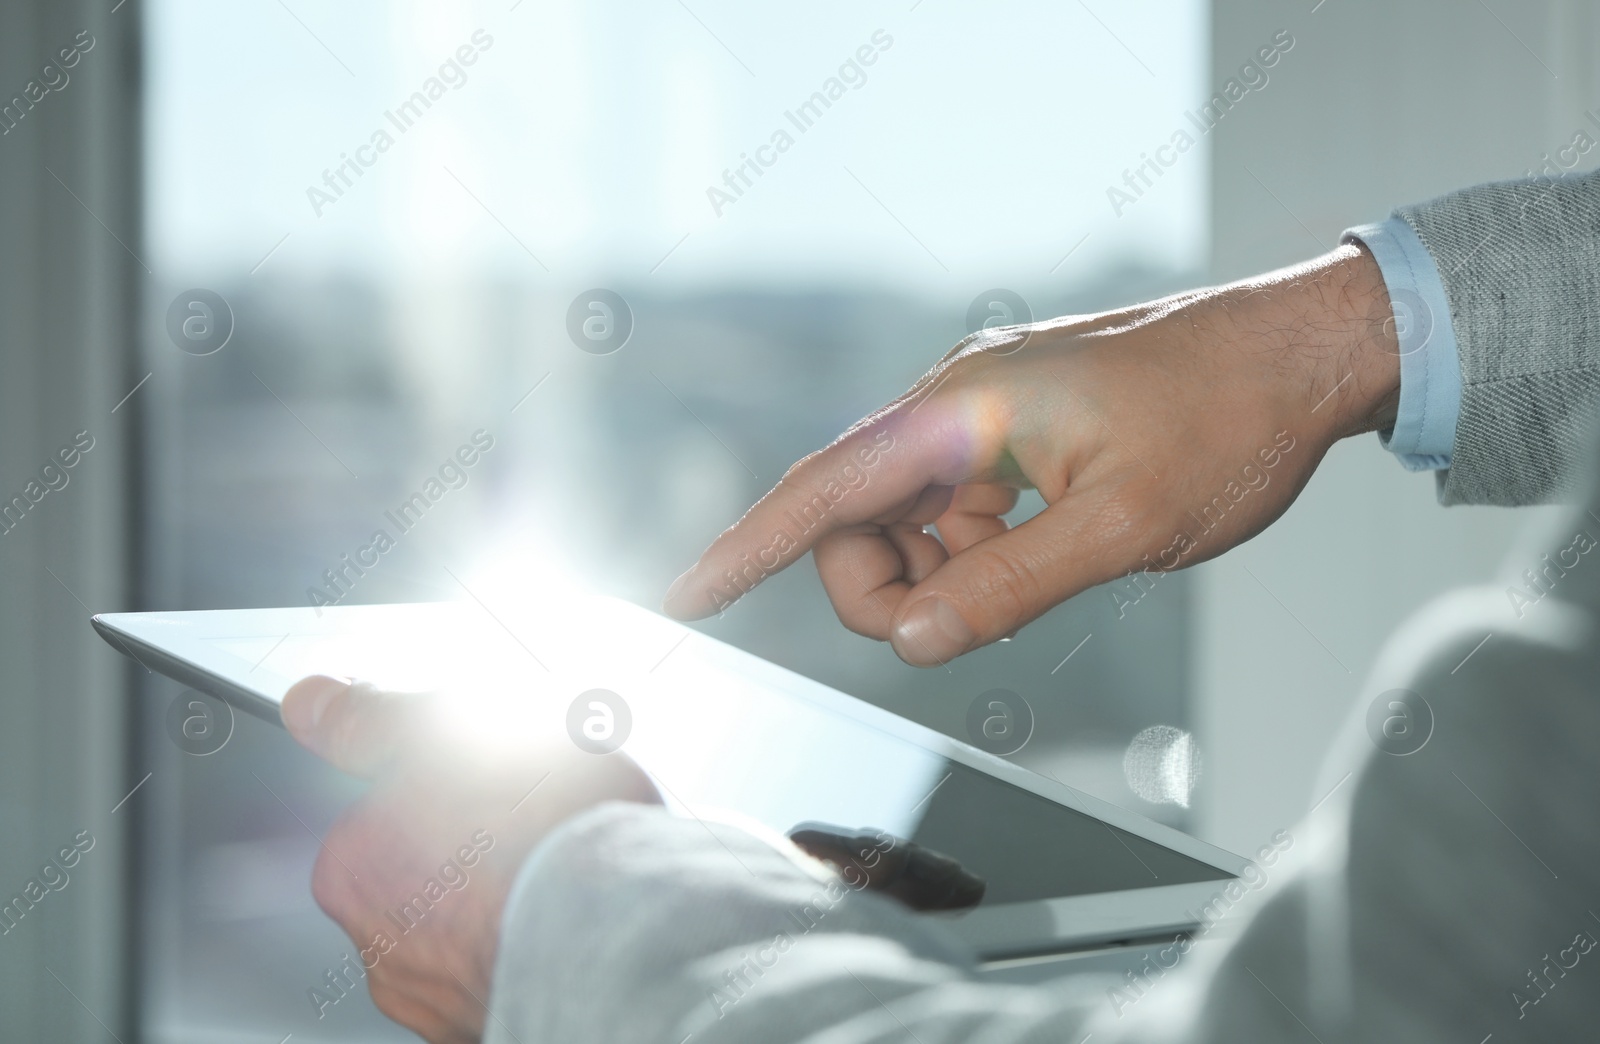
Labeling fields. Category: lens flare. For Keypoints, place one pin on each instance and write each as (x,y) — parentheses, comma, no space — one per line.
(1162,765)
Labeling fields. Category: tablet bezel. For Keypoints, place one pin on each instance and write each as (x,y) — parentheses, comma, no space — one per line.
(178,645)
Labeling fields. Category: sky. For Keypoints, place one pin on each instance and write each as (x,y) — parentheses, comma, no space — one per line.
(579,147)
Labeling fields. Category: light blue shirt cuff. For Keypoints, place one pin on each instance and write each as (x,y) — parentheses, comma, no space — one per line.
(1424,431)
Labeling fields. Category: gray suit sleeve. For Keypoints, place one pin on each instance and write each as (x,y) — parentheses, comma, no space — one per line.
(1520,263)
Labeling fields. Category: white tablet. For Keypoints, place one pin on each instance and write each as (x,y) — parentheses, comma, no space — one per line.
(724,732)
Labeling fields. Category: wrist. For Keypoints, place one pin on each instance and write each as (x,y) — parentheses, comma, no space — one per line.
(1347,343)
(1317,338)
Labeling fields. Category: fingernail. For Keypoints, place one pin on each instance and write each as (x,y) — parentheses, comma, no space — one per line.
(312,696)
(675,590)
(932,632)
(681,602)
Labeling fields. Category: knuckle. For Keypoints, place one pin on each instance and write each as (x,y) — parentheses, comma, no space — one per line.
(329,885)
(976,347)
(385,997)
(797,473)
(966,345)
(857,611)
(862,621)
(967,366)
(1005,585)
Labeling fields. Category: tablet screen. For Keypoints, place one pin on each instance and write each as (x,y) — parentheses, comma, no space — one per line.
(1028,847)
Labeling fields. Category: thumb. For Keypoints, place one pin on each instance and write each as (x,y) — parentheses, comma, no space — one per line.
(352,725)
(998,584)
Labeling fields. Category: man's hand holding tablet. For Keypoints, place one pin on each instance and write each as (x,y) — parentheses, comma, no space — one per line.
(418,870)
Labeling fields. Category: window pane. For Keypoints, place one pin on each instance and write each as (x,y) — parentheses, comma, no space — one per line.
(404,206)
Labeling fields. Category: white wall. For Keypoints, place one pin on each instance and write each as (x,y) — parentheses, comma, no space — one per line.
(1379,103)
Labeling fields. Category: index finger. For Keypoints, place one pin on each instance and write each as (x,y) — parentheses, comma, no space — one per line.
(875,469)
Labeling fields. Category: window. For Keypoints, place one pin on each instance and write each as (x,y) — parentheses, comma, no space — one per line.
(406,207)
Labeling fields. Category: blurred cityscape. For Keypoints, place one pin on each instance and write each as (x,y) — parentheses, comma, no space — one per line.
(280,454)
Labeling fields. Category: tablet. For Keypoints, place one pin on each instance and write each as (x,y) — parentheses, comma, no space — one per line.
(725,733)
